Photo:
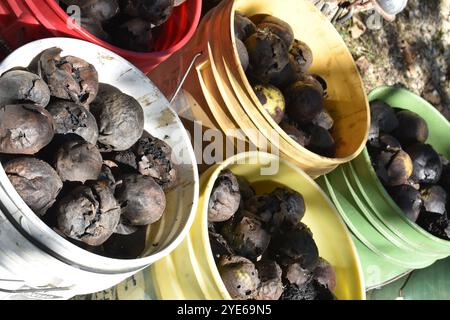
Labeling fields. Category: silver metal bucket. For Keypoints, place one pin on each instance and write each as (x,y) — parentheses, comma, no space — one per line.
(35,261)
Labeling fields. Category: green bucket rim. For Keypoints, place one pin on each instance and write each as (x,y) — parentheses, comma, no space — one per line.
(407,235)
(370,259)
(366,208)
(362,208)
(350,215)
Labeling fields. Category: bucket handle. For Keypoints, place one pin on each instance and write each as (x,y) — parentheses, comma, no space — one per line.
(183,79)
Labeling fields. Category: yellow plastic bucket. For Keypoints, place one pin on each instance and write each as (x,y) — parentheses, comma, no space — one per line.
(221,97)
(190,271)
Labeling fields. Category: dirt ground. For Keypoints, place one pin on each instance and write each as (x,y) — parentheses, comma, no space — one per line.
(412,52)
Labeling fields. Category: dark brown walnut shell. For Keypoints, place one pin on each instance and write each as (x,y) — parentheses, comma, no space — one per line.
(142,200)
(295,274)
(239,276)
(95,28)
(282,208)
(268,55)
(311,80)
(68,77)
(427,164)
(120,119)
(24,129)
(311,290)
(107,175)
(271,286)
(219,246)
(393,167)
(411,129)
(89,213)
(243,54)
(246,236)
(70,118)
(385,142)
(382,120)
(245,188)
(36,182)
(299,136)
(243,26)
(286,35)
(98,10)
(295,245)
(78,160)
(154,159)
(287,76)
(434,199)
(304,102)
(292,208)
(321,141)
(302,56)
(18,86)
(225,197)
(135,35)
(154,11)
(124,228)
(279,27)
(129,246)
(408,200)
(323,83)
(324,120)
(126,160)
(324,273)
(263,206)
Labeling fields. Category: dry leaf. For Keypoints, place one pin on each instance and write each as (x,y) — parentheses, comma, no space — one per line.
(358,27)
(363,64)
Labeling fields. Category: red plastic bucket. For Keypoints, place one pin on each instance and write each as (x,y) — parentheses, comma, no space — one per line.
(23,21)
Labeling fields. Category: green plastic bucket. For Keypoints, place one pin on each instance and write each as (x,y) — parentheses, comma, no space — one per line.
(386,240)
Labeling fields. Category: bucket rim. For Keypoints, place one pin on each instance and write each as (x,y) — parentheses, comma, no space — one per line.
(364,204)
(394,271)
(368,234)
(375,220)
(358,184)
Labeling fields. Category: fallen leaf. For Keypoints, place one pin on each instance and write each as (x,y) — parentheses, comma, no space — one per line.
(358,27)
(363,64)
